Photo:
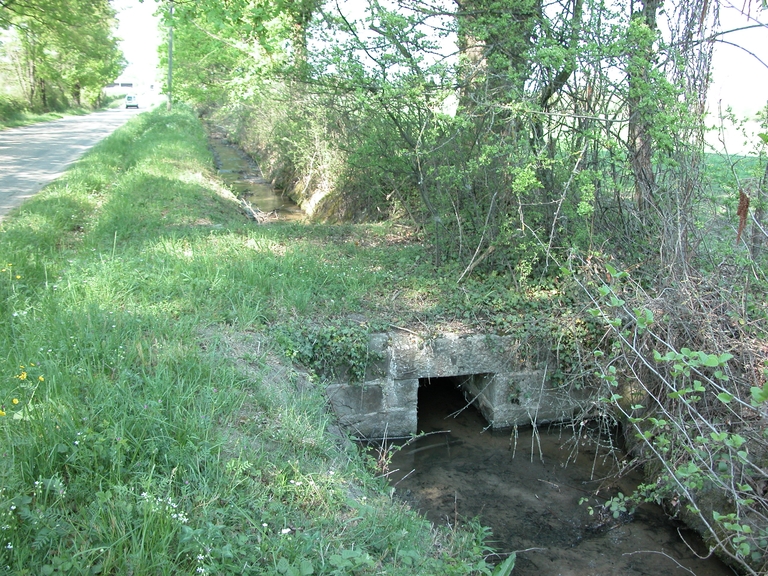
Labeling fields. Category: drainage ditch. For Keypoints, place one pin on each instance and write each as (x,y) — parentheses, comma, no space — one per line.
(540,491)
(244,178)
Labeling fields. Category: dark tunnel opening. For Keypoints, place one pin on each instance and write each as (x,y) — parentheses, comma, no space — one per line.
(440,400)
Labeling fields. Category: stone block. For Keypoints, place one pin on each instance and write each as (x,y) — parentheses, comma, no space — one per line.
(347,399)
(401,394)
(394,424)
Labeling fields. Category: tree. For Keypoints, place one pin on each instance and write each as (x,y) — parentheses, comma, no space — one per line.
(61,48)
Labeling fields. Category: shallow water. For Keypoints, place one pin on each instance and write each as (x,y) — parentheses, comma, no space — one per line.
(243,176)
(529,491)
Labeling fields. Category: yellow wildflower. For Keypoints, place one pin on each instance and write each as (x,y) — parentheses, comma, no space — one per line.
(2,413)
(18,277)
(15,400)
(40,378)
(22,376)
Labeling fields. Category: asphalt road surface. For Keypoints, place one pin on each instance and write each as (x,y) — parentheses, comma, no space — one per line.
(33,156)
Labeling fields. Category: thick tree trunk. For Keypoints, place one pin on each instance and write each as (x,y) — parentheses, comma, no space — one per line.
(641,109)
(759,224)
(494,37)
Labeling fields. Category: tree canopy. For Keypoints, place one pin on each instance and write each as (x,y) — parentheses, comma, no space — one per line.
(57,51)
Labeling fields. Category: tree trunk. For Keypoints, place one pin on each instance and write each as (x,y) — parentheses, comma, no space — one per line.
(76,91)
(494,37)
(759,223)
(642,32)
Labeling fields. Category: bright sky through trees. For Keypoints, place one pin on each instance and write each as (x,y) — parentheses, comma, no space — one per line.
(740,70)
(138,30)
(740,79)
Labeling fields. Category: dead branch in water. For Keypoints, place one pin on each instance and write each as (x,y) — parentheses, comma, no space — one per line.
(255,213)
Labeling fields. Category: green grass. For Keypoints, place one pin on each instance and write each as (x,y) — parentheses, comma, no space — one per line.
(13,117)
(151,423)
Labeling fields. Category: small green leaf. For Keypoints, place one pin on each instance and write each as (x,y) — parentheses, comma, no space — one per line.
(648,317)
(725,357)
(283,566)
(725,397)
(616,302)
(763,136)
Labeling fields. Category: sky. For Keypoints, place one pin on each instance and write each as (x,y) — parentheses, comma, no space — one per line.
(138,29)
(740,80)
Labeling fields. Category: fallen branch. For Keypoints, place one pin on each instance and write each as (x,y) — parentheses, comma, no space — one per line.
(255,213)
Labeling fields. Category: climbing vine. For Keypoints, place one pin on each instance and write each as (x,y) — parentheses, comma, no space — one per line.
(689,386)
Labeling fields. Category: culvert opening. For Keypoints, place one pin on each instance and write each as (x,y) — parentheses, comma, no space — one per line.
(441,400)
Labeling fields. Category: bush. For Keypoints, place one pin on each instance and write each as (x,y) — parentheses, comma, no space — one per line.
(11,107)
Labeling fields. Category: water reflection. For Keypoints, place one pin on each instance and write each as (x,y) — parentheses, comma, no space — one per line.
(243,176)
(529,492)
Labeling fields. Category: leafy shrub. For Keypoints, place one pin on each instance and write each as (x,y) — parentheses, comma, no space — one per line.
(11,107)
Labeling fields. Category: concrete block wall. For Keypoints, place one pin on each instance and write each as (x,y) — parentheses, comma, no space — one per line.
(509,388)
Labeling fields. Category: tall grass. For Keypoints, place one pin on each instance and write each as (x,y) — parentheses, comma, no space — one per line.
(147,427)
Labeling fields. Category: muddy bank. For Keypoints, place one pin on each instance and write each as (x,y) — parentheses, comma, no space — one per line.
(540,493)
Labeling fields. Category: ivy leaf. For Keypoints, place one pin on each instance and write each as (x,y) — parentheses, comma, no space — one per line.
(710,360)
(759,395)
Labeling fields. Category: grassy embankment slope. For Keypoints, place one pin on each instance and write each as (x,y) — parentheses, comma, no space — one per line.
(150,425)
(13,113)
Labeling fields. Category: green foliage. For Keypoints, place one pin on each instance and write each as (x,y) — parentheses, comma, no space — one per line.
(620,504)
(336,350)
(11,108)
(681,412)
(64,52)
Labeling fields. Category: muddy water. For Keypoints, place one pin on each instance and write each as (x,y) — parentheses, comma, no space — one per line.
(243,176)
(529,494)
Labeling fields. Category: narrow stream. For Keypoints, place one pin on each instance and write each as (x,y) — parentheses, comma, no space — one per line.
(243,176)
(535,494)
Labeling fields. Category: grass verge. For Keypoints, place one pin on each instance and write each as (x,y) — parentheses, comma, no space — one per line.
(149,423)
(14,118)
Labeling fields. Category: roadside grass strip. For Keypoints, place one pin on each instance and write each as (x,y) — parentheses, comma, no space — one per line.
(149,423)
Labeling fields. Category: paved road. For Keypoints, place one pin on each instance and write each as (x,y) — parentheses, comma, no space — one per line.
(33,156)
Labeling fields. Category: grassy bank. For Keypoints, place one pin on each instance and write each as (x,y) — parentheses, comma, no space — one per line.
(152,422)
(13,115)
